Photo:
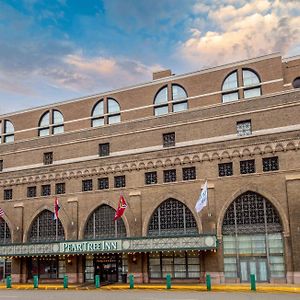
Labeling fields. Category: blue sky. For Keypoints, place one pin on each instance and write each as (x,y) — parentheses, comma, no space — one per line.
(61,49)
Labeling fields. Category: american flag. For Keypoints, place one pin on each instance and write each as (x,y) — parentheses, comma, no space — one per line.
(1,212)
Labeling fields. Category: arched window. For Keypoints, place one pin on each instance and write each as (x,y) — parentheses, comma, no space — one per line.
(112,114)
(5,236)
(252,239)
(251,85)
(178,100)
(101,224)
(45,229)
(51,122)
(296,83)
(172,218)
(7,132)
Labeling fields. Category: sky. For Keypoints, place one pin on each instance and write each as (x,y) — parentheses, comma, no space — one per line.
(56,50)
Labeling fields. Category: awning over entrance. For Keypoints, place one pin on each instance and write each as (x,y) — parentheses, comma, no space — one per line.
(199,242)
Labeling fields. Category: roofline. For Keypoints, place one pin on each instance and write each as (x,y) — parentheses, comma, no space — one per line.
(149,83)
(290,58)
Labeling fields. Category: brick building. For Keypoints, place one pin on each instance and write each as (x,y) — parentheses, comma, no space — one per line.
(236,126)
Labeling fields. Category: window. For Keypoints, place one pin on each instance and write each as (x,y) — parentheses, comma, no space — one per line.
(46,190)
(31,191)
(151,177)
(103,183)
(170,175)
(5,235)
(1,165)
(8,194)
(169,139)
(120,181)
(51,122)
(296,83)
(104,149)
(7,132)
(60,188)
(177,99)
(189,173)
(270,164)
(251,85)
(112,114)
(87,185)
(244,128)
(225,169)
(48,158)
(247,166)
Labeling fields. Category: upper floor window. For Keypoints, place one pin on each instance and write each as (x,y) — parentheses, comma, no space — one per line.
(296,83)
(7,132)
(48,158)
(250,86)
(1,165)
(177,99)
(109,113)
(7,194)
(51,122)
(243,128)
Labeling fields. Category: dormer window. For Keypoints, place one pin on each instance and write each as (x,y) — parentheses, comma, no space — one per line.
(51,122)
(7,132)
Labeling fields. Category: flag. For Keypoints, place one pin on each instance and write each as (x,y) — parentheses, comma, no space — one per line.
(56,208)
(1,212)
(202,200)
(121,208)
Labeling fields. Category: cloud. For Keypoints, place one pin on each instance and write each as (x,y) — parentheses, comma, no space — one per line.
(242,30)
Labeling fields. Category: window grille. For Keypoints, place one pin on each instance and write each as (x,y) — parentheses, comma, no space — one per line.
(31,191)
(5,236)
(1,165)
(60,188)
(103,183)
(48,158)
(169,139)
(101,224)
(172,218)
(225,169)
(247,166)
(243,128)
(87,185)
(189,173)
(270,164)
(46,190)
(170,175)
(120,181)
(104,149)
(45,229)
(151,177)
(8,193)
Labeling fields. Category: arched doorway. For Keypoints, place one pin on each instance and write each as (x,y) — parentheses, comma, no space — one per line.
(252,239)
(5,238)
(173,218)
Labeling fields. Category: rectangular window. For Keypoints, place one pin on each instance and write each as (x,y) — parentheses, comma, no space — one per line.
(189,173)
(247,166)
(31,191)
(48,158)
(169,139)
(60,188)
(120,181)
(244,128)
(170,175)
(1,165)
(151,177)
(270,164)
(104,149)
(7,194)
(103,183)
(87,185)
(46,190)
(225,169)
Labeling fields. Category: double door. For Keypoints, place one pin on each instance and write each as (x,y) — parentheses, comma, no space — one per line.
(254,265)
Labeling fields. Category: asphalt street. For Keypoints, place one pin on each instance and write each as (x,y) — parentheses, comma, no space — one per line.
(137,295)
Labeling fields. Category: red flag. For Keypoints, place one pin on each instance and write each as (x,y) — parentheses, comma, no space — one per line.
(121,208)
(1,213)
(56,208)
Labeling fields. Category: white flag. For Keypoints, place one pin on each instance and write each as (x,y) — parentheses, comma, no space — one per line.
(202,200)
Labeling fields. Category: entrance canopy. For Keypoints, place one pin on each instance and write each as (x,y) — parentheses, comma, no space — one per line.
(199,242)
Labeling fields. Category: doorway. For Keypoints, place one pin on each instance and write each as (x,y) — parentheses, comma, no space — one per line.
(106,266)
(254,265)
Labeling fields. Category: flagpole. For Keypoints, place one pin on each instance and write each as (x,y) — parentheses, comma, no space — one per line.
(56,228)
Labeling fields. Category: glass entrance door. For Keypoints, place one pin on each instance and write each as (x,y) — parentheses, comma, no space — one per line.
(256,266)
(107,267)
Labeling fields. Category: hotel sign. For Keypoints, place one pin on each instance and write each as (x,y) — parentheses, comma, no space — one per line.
(201,242)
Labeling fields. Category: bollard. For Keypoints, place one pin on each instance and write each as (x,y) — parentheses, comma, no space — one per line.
(131,281)
(35,281)
(8,282)
(65,282)
(168,278)
(97,281)
(252,281)
(208,282)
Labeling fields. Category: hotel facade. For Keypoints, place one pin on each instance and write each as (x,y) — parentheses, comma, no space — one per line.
(236,126)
